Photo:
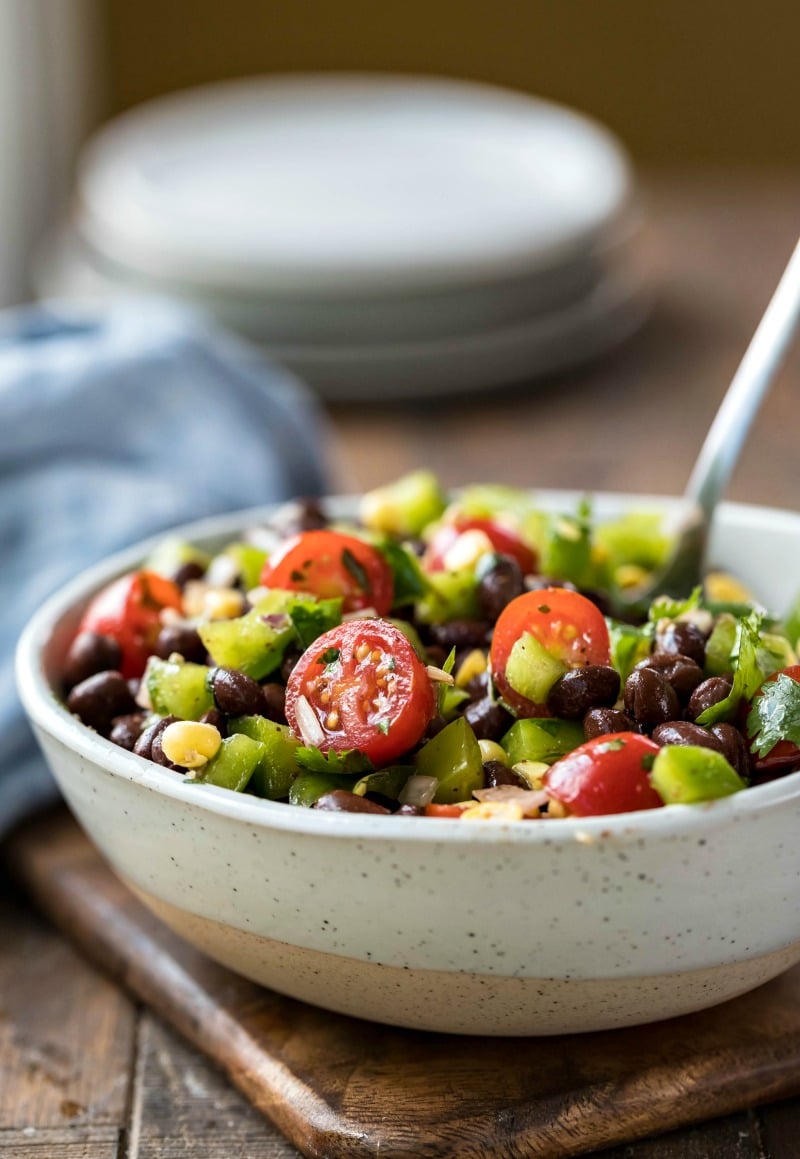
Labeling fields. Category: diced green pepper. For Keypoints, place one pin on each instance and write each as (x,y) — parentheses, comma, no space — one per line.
(278,767)
(234,764)
(687,774)
(252,643)
(309,787)
(541,739)
(249,560)
(388,782)
(172,553)
(404,507)
(178,689)
(451,595)
(567,551)
(531,670)
(453,756)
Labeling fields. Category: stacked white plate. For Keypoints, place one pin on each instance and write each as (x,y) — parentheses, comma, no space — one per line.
(385,237)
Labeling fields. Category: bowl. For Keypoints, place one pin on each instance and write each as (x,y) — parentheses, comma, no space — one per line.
(496,928)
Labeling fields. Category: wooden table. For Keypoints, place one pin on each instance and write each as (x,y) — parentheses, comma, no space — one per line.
(85,1073)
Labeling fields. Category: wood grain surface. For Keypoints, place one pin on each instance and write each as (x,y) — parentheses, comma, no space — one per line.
(85,1070)
(340,1088)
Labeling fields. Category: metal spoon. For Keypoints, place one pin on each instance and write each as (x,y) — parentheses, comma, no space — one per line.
(724,441)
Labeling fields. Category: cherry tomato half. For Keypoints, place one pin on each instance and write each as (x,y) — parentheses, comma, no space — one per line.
(367,690)
(501,538)
(130,609)
(566,623)
(784,755)
(329,564)
(608,774)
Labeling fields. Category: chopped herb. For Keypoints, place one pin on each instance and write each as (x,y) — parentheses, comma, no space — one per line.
(383,726)
(391,663)
(329,656)
(297,577)
(648,760)
(356,570)
(544,609)
(349,762)
(775,715)
(665,608)
(611,746)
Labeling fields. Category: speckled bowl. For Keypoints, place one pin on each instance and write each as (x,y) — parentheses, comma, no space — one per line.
(485,928)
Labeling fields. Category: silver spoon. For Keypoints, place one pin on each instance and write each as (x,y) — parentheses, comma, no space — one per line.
(724,441)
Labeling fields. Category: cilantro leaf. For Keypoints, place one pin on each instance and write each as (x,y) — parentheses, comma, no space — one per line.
(311,620)
(749,658)
(629,645)
(357,571)
(665,608)
(775,715)
(349,762)
(409,581)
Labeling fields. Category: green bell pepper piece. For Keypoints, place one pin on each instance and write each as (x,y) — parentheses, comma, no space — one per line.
(453,756)
(178,689)
(278,768)
(541,739)
(687,774)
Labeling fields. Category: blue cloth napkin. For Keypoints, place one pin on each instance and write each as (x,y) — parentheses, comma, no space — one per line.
(114,424)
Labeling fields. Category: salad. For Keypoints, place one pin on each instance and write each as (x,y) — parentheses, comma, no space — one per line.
(470,657)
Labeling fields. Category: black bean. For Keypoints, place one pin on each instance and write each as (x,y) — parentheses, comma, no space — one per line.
(125,730)
(235,693)
(290,658)
(191,570)
(682,732)
(574,693)
(307,515)
(149,743)
(342,801)
(487,719)
(734,747)
(217,718)
(100,698)
(183,639)
(496,773)
(478,686)
(707,694)
(677,638)
(601,721)
(435,726)
(460,634)
(274,702)
(90,653)
(650,699)
(501,583)
(680,672)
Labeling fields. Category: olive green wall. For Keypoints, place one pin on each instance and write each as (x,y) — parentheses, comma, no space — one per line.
(679,81)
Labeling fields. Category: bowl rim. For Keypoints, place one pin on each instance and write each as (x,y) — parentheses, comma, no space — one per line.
(46,711)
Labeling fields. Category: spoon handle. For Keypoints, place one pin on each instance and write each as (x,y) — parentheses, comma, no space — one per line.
(757,369)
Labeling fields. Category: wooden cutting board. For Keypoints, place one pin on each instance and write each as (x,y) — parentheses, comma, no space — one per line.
(339,1087)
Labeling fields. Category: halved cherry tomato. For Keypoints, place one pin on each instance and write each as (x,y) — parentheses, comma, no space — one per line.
(501,538)
(456,810)
(130,609)
(785,754)
(329,564)
(608,774)
(564,622)
(366,688)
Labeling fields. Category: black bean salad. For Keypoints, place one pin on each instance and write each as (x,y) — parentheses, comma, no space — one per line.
(460,658)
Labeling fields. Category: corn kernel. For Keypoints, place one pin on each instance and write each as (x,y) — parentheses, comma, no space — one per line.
(473,664)
(190,743)
(222,604)
(722,588)
(493,811)
(630,575)
(492,751)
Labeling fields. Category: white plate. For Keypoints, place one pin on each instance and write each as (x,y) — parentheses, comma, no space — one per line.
(482,361)
(302,184)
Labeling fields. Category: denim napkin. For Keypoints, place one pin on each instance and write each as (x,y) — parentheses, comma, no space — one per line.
(114,424)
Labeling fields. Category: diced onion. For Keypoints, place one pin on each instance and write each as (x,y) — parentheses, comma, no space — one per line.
(529,800)
(418,790)
(309,726)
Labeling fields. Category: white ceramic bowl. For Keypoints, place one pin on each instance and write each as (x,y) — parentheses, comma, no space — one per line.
(491,928)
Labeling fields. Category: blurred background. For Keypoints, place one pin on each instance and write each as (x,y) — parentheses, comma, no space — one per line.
(702,98)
